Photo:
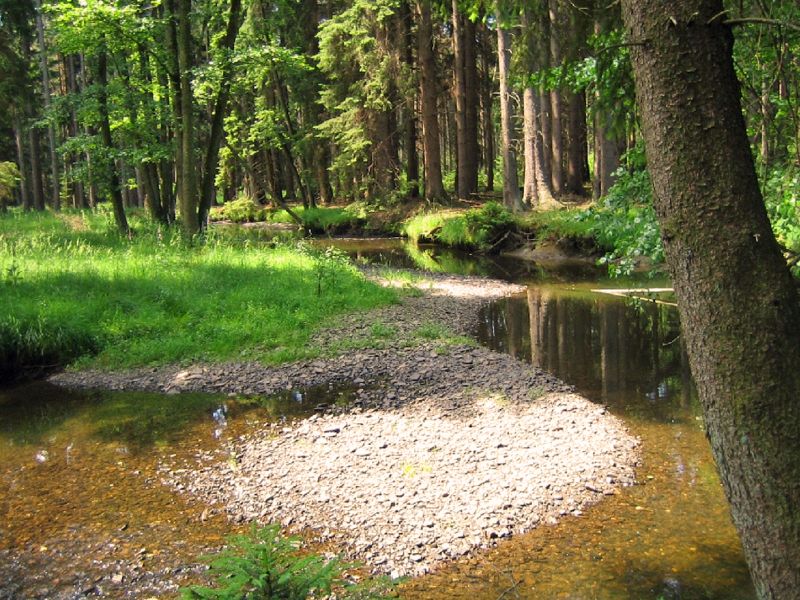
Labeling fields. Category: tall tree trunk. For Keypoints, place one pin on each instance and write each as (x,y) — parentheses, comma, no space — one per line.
(607,149)
(738,303)
(556,139)
(188,182)
(55,197)
(431,150)
(321,154)
(83,73)
(607,154)
(576,143)
(37,185)
(487,83)
(407,43)
(282,97)
(465,93)
(472,104)
(36,168)
(111,176)
(22,162)
(576,159)
(511,196)
(73,87)
(537,188)
(218,120)
(384,167)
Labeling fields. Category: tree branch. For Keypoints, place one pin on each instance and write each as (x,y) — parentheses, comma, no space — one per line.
(759,21)
(622,45)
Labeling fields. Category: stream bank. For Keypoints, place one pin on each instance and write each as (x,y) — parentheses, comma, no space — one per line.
(440,449)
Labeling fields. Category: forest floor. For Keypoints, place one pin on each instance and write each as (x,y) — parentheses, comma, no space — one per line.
(444,448)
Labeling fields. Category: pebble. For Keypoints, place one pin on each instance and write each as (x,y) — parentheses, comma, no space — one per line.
(432,466)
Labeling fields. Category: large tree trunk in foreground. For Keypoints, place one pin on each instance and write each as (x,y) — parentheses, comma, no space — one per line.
(738,303)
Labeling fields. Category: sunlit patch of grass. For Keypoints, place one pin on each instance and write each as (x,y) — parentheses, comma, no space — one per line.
(114,302)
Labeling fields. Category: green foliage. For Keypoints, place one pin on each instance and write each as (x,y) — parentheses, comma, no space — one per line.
(361,74)
(268,566)
(782,197)
(9,177)
(73,288)
(328,263)
(556,224)
(624,222)
(475,229)
(241,210)
(322,219)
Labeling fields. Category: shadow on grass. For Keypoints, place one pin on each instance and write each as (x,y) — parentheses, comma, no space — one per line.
(227,306)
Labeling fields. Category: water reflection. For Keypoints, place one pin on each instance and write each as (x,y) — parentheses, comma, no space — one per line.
(82,500)
(625,354)
(670,536)
(403,254)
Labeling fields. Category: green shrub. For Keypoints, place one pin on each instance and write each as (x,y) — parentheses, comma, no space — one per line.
(268,566)
(33,343)
(487,224)
(425,227)
(474,229)
(322,219)
(242,210)
(624,221)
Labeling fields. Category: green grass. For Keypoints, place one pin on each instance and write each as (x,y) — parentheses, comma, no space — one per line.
(320,219)
(570,222)
(474,229)
(73,290)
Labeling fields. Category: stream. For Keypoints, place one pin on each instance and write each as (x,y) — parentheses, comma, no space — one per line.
(77,468)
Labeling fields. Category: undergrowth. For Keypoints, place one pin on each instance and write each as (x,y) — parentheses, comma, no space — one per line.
(266,565)
(74,290)
(474,229)
(322,219)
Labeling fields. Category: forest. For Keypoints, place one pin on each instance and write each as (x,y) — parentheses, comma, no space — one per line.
(182,106)
(160,161)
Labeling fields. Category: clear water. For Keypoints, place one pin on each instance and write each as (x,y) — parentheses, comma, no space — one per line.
(79,471)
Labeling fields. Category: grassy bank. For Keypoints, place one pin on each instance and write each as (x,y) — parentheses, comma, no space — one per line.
(323,219)
(74,290)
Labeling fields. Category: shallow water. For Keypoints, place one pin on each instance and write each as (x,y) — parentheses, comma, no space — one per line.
(79,471)
(80,475)
(671,536)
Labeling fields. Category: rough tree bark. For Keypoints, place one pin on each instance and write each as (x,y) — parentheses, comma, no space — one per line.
(487,84)
(431,150)
(738,303)
(466,100)
(406,44)
(556,137)
(537,189)
(22,162)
